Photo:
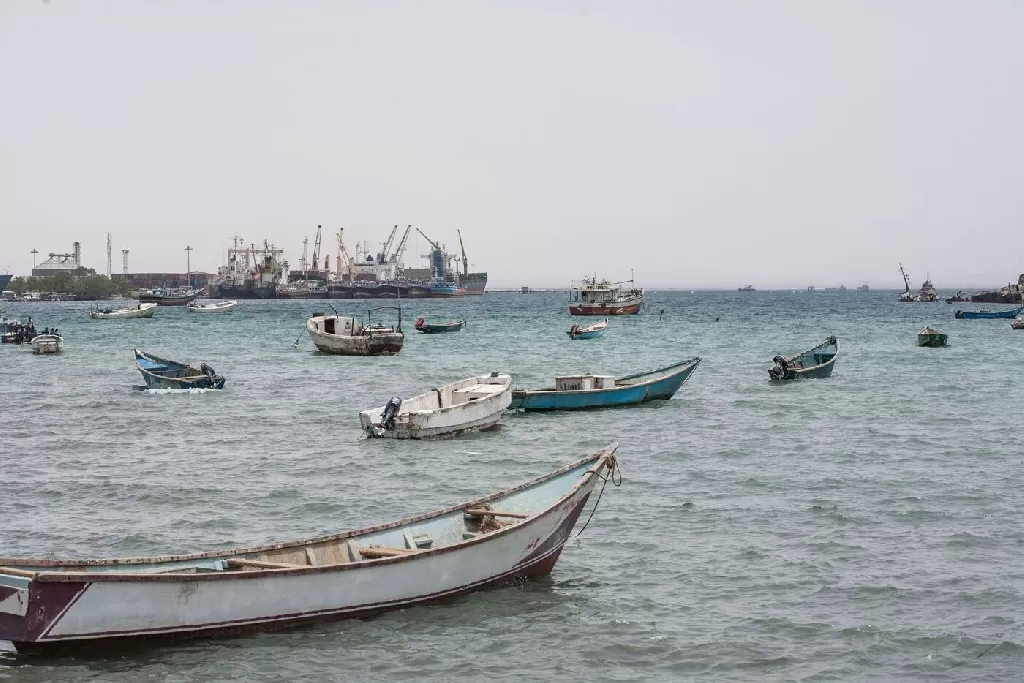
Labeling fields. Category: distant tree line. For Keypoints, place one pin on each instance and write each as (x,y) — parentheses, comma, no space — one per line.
(82,281)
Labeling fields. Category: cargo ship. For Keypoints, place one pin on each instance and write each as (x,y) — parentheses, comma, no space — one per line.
(251,272)
(592,297)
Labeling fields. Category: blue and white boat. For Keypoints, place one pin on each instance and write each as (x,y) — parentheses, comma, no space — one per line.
(161,373)
(589,332)
(989,315)
(576,392)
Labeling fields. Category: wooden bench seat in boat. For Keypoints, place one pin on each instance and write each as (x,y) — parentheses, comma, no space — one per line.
(476,391)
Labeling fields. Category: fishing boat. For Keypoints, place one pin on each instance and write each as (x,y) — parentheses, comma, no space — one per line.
(141,311)
(213,307)
(52,607)
(589,332)
(161,373)
(577,392)
(1017,324)
(438,328)
(959,297)
(345,336)
(46,344)
(985,314)
(746,288)
(178,296)
(469,405)
(605,298)
(931,338)
(811,364)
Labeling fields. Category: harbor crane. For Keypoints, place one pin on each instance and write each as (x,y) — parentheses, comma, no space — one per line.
(383,255)
(400,251)
(343,258)
(316,250)
(465,260)
(433,244)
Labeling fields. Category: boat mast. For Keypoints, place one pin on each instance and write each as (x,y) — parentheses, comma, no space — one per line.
(465,260)
(906,280)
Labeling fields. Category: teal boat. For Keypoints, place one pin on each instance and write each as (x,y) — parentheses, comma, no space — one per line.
(814,363)
(989,315)
(578,392)
(161,373)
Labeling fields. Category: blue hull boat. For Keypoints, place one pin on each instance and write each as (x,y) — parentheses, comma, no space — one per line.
(161,373)
(812,364)
(578,392)
(988,315)
(589,332)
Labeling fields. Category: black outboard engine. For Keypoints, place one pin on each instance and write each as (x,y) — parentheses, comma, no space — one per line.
(208,371)
(387,418)
(781,369)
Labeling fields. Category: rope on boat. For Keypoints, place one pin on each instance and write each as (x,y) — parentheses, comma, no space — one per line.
(615,482)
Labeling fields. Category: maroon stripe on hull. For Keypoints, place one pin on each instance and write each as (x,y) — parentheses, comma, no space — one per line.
(627,309)
(538,564)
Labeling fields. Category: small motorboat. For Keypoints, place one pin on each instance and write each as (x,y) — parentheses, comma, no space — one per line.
(215,307)
(469,405)
(47,344)
(578,392)
(931,338)
(1017,324)
(437,328)
(985,314)
(814,363)
(145,310)
(959,297)
(161,373)
(345,336)
(589,332)
(57,606)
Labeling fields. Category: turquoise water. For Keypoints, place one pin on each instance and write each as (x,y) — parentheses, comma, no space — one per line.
(862,526)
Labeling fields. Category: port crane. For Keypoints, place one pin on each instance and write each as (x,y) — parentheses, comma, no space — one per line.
(465,260)
(343,258)
(382,256)
(316,251)
(400,251)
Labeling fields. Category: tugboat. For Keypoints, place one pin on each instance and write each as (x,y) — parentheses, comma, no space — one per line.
(593,297)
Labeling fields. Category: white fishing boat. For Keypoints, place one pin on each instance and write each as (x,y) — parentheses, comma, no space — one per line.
(47,344)
(141,311)
(215,307)
(345,336)
(51,606)
(469,405)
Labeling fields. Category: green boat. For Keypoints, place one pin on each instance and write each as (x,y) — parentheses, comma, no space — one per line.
(931,338)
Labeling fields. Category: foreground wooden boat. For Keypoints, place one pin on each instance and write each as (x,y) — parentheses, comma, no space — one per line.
(213,307)
(47,344)
(348,337)
(141,311)
(1017,324)
(161,373)
(988,315)
(931,338)
(438,328)
(576,392)
(589,332)
(52,606)
(469,405)
(811,364)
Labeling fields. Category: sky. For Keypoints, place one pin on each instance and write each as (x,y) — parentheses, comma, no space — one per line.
(696,144)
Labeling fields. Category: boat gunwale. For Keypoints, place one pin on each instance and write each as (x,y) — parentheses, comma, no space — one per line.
(441,411)
(601,459)
(695,361)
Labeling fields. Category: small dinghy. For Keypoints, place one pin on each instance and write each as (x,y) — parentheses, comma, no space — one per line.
(1017,324)
(578,392)
(46,344)
(931,338)
(161,373)
(141,311)
(345,336)
(52,607)
(815,363)
(589,332)
(215,307)
(984,314)
(466,406)
(438,328)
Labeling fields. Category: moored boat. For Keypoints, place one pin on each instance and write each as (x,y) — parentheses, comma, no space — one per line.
(437,328)
(47,344)
(469,405)
(959,297)
(1017,324)
(593,297)
(931,338)
(589,332)
(985,314)
(143,310)
(811,364)
(346,336)
(576,392)
(214,307)
(50,606)
(160,373)
(168,297)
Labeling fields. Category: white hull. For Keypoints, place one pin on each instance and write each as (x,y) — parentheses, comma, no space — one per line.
(143,311)
(47,344)
(220,307)
(349,338)
(469,405)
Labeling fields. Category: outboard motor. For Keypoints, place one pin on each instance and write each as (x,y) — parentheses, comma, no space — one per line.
(208,371)
(781,369)
(387,418)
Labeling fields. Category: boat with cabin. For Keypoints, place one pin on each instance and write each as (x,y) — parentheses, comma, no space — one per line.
(161,296)
(746,288)
(985,314)
(212,307)
(811,364)
(593,297)
(160,373)
(577,392)
(47,343)
(931,338)
(469,405)
(346,336)
(438,328)
(588,332)
(59,606)
(141,311)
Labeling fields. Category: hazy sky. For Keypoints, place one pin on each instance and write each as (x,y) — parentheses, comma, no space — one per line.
(700,143)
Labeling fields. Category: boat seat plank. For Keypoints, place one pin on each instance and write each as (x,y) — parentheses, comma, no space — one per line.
(480,512)
(417,541)
(241,563)
(353,551)
(480,389)
(375,551)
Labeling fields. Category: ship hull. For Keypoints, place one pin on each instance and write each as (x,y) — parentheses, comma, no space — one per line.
(246,291)
(630,307)
(475,283)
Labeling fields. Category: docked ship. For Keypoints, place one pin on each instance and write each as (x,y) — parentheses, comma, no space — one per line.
(593,297)
(251,272)
(748,288)
(926,294)
(1010,294)
(475,283)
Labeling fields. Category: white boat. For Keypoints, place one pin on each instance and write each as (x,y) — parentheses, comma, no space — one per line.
(47,343)
(215,307)
(469,405)
(50,606)
(140,311)
(348,337)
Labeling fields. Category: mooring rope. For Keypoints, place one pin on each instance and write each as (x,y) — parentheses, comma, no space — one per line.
(618,482)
